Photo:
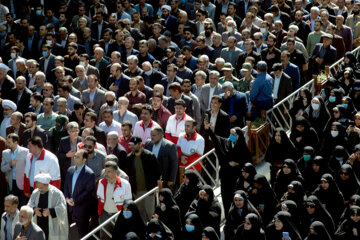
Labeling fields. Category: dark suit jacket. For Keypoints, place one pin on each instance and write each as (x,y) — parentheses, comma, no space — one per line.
(329,57)
(11,129)
(83,191)
(37,132)
(102,69)
(124,84)
(124,54)
(155,78)
(50,66)
(150,166)
(99,134)
(120,152)
(23,103)
(95,30)
(32,232)
(171,24)
(241,8)
(64,148)
(285,86)
(6,87)
(338,43)
(222,125)
(167,158)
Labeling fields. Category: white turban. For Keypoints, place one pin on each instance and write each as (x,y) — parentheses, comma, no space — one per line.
(10,104)
(43,178)
(3,66)
(167,7)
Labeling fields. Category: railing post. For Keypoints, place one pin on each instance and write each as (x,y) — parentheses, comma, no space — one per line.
(181,174)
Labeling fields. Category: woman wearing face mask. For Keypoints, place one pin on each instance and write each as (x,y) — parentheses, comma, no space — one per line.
(129,220)
(331,84)
(156,229)
(319,166)
(232,153)
(286,175)
(338,158)
(347,181)
(314,211)
(317,115)
(263,198)
(168,212)
(336,136)
(338,115)
(304,163)
(209,234)
(330,196)
(187,191)
(282,223)
(350,109)
(349,229)
(302,135)
(250,229)
(207,207)
(279,149)
(301,103)
(318,231)
(193,228)
(334,99)
(239,209)
(246,179)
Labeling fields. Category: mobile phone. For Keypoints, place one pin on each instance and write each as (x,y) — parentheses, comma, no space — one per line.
(262,206)
(285,236)
(206,118)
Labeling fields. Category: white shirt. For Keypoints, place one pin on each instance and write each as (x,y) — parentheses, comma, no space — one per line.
(211,93)
(276,87)
(114,126)
(110,206)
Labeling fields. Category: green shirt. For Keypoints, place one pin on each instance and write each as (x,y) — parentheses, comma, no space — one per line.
(312,40)
(235,81)
(140,175)
(46,123)
(244,85)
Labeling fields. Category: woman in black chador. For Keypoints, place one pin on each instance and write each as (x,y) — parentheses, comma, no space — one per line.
(347,181)
(250,229)
(232,153)
(156,230)
(349,229)
(318,231)
(246,179)
(282,222)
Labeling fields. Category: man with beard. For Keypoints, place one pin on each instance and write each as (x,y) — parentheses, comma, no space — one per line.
(8,108)
(352,21)
(96,158)
(10,217)
(170,22)
(169,59)
(72,59)
(298,58)
(143,127)
(186,88)
(49,206)
(183,71)
(204,49)
(188,41)
(304,28)
(161,114)
(109,124)
(271,54)
(26,228)
(314,37)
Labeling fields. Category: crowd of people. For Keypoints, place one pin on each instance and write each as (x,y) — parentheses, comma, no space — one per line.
(101,99)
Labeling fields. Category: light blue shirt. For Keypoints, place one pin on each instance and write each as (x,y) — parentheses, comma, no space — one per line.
(8,226)
(32,170)
(75,177)
(156,148)
(13,156)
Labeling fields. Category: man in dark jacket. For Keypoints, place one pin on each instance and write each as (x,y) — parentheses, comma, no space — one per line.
(143,171)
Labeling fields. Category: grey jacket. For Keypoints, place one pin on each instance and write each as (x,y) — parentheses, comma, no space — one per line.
(33,232)
(99,99)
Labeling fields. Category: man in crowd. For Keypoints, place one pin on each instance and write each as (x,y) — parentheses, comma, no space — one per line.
(26,227)
(10,217)
(143,127)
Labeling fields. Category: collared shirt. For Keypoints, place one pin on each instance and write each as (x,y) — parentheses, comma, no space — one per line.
(276,87)
(12,157)
(211,93)
(47,122)
(32,170)
(8,226)
(31,80)
(156,148)
(75,177)
(92,95)
(110,205)
(213,119)
(114,126)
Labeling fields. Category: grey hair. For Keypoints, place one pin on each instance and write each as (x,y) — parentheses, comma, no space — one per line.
(201,73)
(61,100)
(214,72)
(72,125)
(21,61)
(111,93)
(158,129)
(29,211)
(113,134)
(220,61)
(40,74)
(133,58)
(112,157)
(123,99)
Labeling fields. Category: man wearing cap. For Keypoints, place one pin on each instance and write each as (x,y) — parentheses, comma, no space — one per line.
(6,82)
(170,22)
(244,83)
(235,104)
(50,210)
(8,108)
(261,90)
(323,55)
(144,172)
(228,76)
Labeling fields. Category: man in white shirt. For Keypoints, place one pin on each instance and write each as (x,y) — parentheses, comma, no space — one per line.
(109,124)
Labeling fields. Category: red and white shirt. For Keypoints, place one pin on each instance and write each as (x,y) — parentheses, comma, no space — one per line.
(175,126)
(142,131)
(46,163)
(192,148)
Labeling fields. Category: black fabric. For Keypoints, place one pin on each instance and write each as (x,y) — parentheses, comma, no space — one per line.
(155,226)
(348,187)
(243,183)
(308,137)
(256,232)
(288,226)
(210,233)
(43,222)
(196,222)
(345,230)
(320,232)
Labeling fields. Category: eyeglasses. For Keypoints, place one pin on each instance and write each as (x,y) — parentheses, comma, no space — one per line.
(310,206)
(344,173)
(88,146)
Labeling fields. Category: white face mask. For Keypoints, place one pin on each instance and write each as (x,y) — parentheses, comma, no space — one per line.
(48,42)
(82,63)
(13,55)
(315,106)
(230,29)
(263,30)
(334,133)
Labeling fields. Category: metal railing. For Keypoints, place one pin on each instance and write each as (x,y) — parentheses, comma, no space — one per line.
(207,169)
(278,116)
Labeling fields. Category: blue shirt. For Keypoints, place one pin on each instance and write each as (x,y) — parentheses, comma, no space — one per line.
(13,156)
(8,226)
(75,177)
(35,158)
(156,148)
(261,89)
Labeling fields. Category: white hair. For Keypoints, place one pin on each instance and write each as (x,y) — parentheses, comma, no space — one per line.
(29,211)
(113,134)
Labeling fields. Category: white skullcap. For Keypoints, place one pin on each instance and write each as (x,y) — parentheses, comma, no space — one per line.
(43,178)
(10,104)
(3,66)
(167,7)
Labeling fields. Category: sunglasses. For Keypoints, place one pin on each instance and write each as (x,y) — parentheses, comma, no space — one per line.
(310,206)
(88,146)
(344,173)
